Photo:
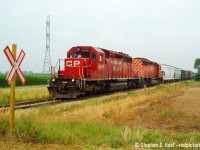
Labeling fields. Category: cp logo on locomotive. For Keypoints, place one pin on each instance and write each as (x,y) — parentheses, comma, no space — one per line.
(71,63)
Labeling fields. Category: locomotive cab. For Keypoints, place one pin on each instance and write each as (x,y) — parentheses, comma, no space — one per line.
(84,62)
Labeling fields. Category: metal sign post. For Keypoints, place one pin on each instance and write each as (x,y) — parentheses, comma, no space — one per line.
(11,78)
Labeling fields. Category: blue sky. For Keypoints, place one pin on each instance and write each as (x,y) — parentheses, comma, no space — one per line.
(165,31)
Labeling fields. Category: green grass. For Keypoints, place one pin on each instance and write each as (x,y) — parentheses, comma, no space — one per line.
(4,99)
(188,83)
(162,114)
(132,93)
(160,86)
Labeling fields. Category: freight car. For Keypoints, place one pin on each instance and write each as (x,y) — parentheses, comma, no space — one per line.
(171,74)
(168,73)
(89,70)
(193,75)
(177,74)
(183,75)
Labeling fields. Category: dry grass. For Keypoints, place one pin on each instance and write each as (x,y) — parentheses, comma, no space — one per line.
(120,111)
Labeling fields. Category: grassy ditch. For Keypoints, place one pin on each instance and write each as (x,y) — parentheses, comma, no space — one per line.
(102,123)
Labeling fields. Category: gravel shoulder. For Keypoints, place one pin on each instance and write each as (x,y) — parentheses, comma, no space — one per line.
(189,102)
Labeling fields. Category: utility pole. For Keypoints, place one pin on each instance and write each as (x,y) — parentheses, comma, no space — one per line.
(47,59)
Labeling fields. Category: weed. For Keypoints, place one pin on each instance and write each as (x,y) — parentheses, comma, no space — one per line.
(4,124)
(162,114)
(106,114)
(90,101)
(132,93)
(159,87)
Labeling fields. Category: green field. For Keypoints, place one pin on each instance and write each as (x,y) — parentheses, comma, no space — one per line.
(32,79)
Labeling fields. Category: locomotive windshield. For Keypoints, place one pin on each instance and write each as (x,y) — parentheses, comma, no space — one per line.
(69,56)
(79,53)
(83,55)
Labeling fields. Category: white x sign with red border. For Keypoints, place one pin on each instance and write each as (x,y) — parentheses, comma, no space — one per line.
(15,65)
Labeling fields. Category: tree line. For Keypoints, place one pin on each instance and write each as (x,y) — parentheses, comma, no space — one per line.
(197,66)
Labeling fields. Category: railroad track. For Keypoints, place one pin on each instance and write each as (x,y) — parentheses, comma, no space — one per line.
(31,104)
(51,101)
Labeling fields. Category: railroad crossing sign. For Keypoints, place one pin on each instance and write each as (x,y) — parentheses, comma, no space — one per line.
(15,65)
(11,78)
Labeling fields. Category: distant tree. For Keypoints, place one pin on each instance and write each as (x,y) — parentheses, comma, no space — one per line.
(197,77)
(30,72)
(25,72)
(197,64)
(6,72)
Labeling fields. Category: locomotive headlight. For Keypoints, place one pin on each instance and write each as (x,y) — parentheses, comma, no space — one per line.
(73,80)
(53,80)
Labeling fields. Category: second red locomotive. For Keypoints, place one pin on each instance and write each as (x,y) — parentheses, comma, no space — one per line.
(148,72)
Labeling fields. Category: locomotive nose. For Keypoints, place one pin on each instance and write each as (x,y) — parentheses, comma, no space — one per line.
(74,67)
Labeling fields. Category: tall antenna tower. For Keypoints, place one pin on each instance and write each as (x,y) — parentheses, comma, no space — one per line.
(47,59)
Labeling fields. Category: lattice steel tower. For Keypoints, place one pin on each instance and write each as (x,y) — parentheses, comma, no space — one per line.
(47,59)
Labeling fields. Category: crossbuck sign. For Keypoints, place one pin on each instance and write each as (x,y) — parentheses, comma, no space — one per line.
(15,64)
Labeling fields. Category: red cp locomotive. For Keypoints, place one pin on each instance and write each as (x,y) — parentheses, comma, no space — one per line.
(90,70)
